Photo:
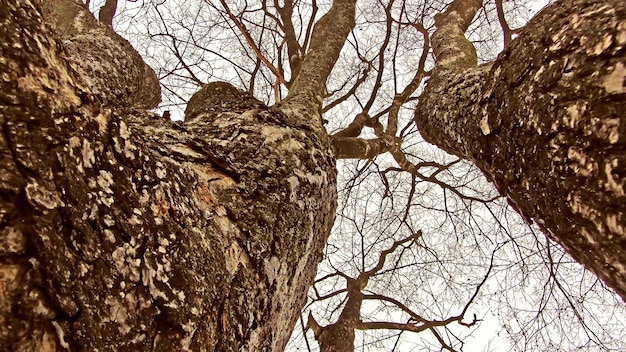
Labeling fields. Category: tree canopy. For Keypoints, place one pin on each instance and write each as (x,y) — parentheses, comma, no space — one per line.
(462,222)
(220,220)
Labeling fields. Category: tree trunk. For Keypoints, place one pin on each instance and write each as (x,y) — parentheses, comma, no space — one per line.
(124,231)
(121,230)
(339,336)
(545,122)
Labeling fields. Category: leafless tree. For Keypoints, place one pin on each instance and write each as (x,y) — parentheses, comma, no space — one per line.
(125,230)
(367,83)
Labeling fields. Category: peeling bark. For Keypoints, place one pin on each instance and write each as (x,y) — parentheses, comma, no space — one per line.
(124,231)
(545,122)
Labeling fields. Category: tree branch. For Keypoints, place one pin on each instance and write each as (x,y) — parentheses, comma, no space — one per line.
(329,35)
(250,42)
(293,47)
(506,30)
(452,50)
(107,12)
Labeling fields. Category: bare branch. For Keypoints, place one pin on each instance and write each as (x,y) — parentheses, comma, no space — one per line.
(107,12)
(327,39)
(251,42)
(506,30)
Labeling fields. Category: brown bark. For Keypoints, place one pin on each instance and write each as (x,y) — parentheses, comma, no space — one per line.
(107,12)
(339,336)
(545,122)
(124,231)
(329,34)
(104,63)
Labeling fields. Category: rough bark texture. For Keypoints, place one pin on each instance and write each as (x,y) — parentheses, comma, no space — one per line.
(452,50)
(108,67)
(546,124)
(122,231)
(339,336)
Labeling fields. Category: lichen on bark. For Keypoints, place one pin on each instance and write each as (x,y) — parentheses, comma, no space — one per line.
(104,63)
(545,122)
(128,232)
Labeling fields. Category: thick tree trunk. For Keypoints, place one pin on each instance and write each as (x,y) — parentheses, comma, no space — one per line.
(124,231)
(546,123)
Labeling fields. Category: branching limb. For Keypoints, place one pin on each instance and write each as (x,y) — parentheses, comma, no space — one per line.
(359,148)
(354,129)
(507,32)
(250,41)
(400,99)
(383,256)
(352,90)
(107,12)
(452,50)
(293,47)
(327,40)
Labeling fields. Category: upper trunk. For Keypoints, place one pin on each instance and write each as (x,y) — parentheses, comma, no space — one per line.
(339,336)
(309,86)
(545,122)
(124,231)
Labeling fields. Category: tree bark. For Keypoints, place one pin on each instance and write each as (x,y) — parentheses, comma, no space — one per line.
(124,231)
(339,336)
(307,90)
(545,122)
